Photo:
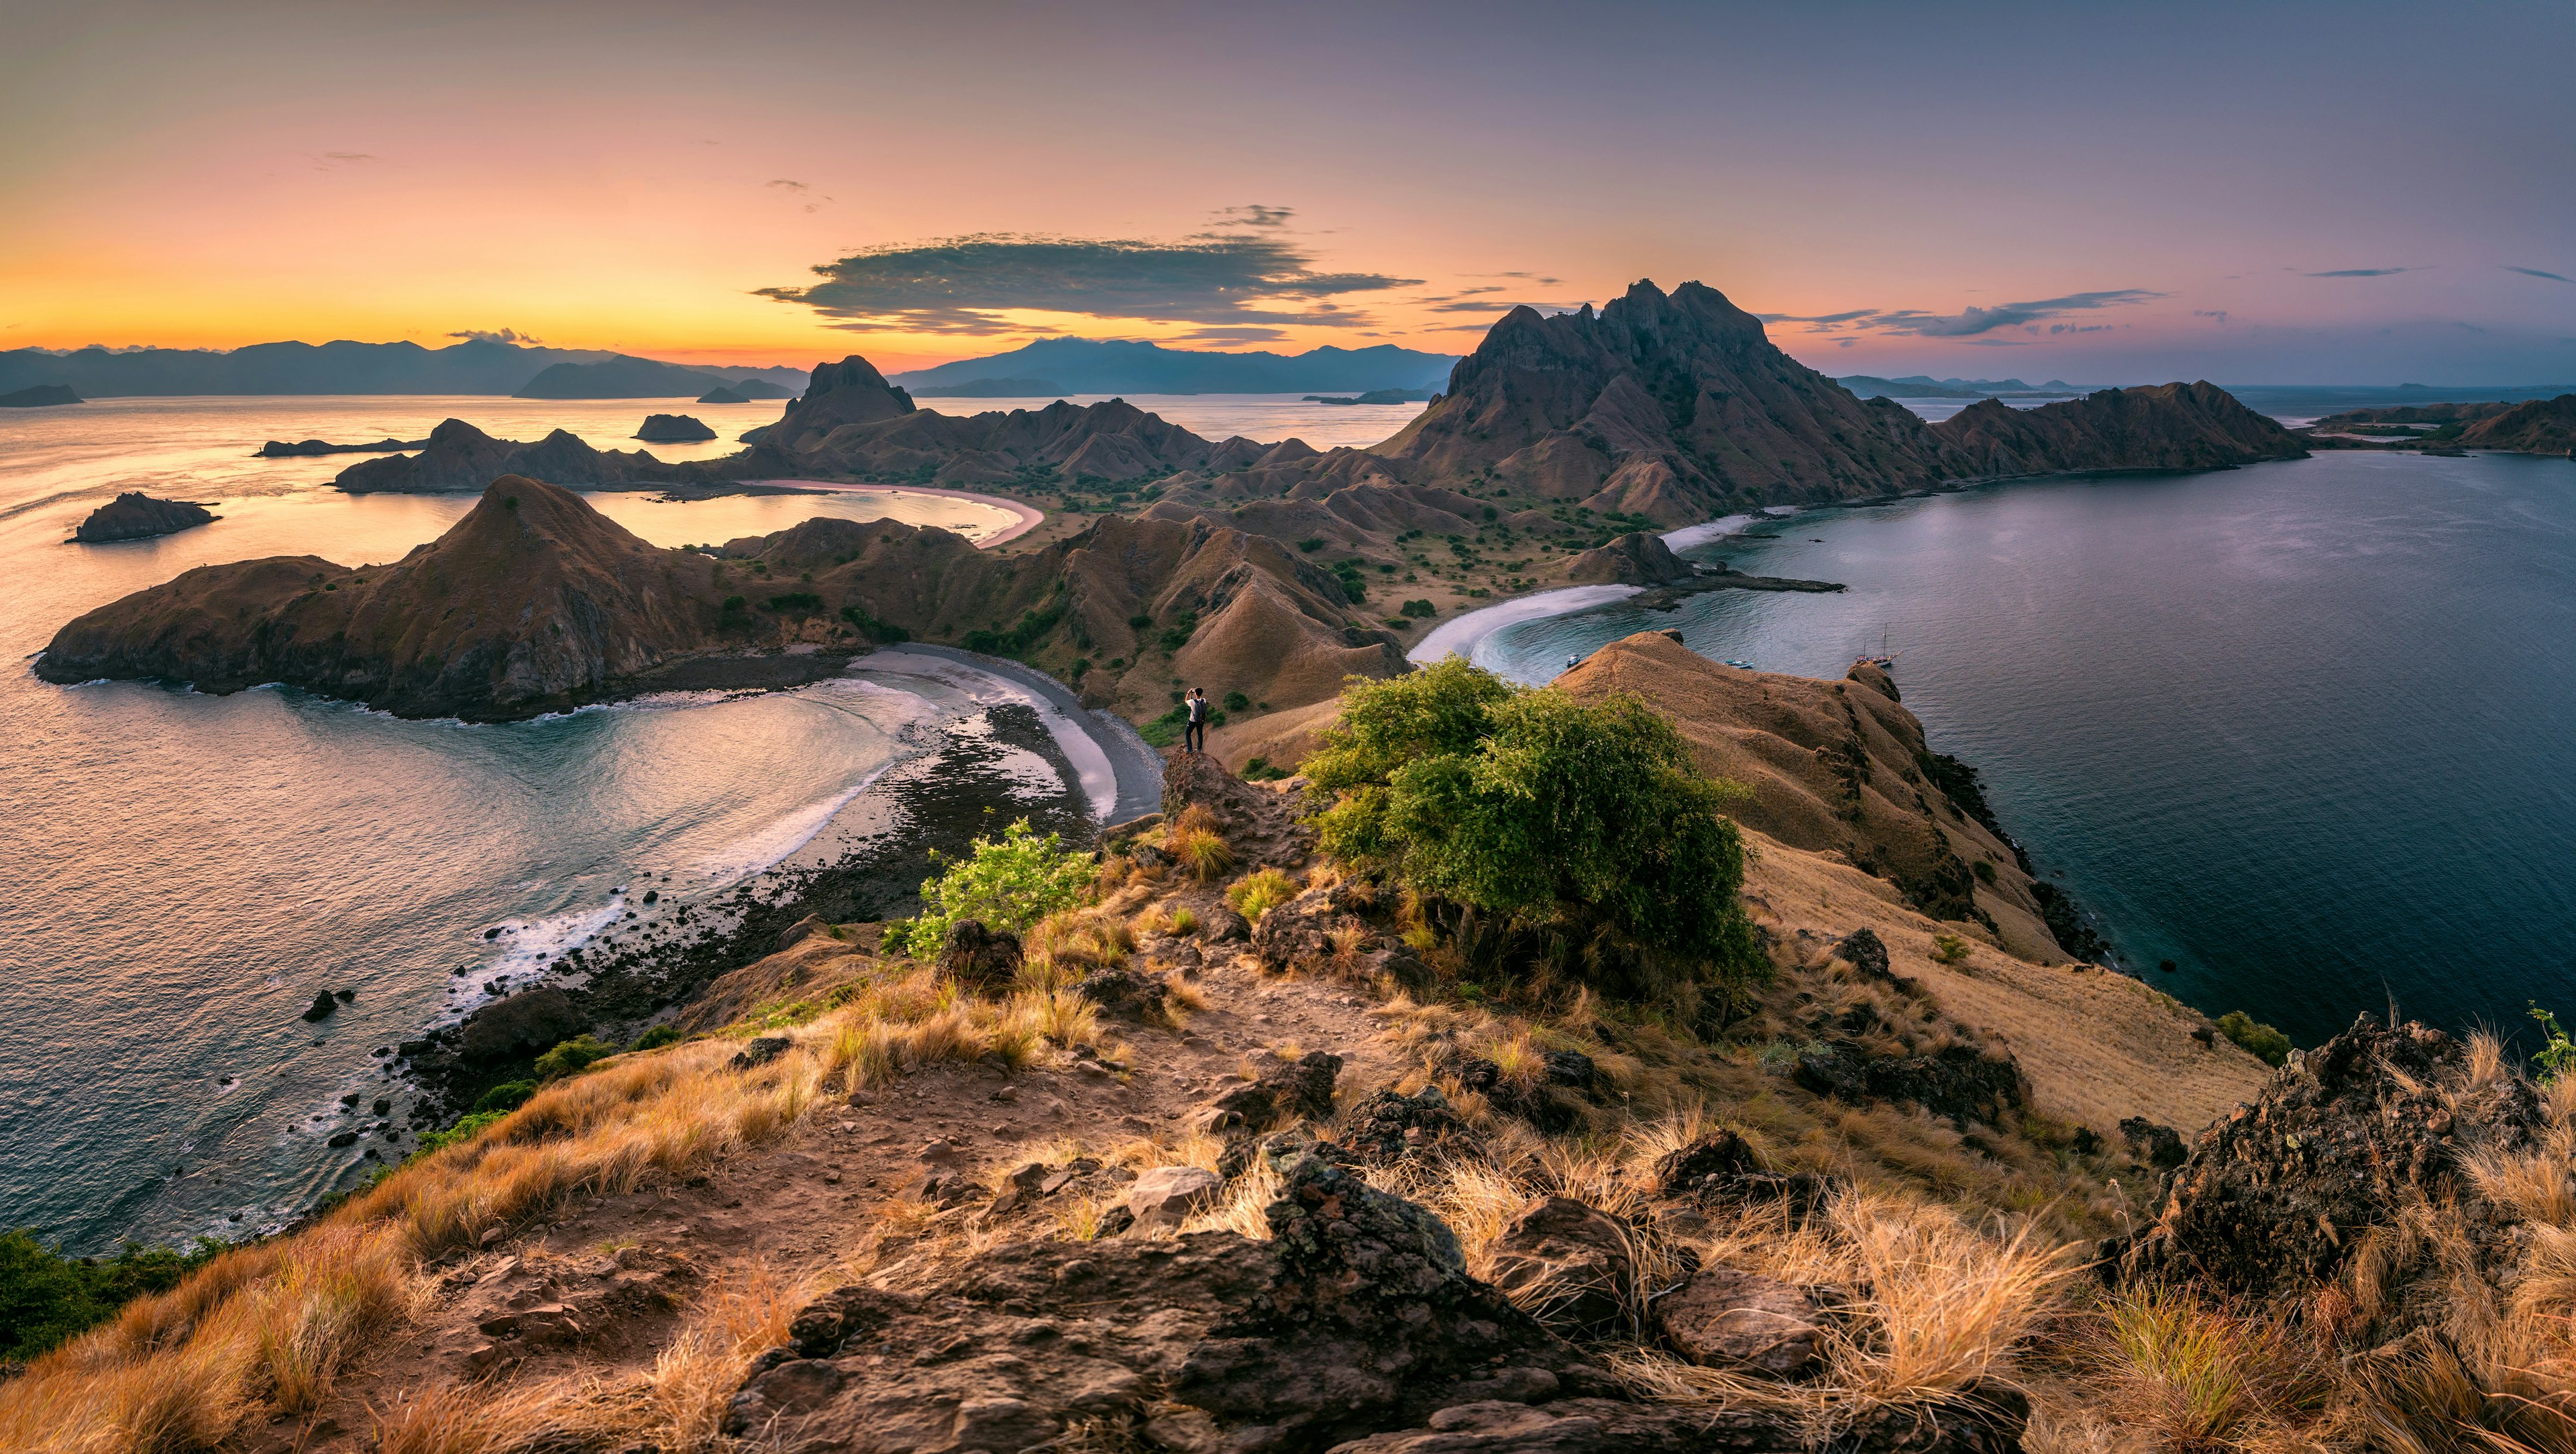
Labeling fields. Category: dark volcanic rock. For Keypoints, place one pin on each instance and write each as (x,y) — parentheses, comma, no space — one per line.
(1574,1264)
(2367,1128)
(981,959)
(673,429)
(1356,1317)
(1387,1126)
(1957,1081)
(1122,993)
(322,1006)
(1286,1090)
(1725,1318)
(2159,1146)
(137,516)
(522,1025)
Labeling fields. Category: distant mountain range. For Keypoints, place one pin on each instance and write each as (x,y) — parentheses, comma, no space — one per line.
(1916,386)
(476,367)
(1116,366)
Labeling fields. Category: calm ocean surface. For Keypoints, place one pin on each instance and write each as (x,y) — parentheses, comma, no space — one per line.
(2308,729)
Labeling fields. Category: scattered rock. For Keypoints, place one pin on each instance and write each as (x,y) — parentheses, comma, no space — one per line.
(760,1052)
(321,1007)
(1725,1318)
(1387,1126)
(2159,1146)
(1957,1081)
(1723,1169)
(1167,1195)
(1573,1265)
(1122,993)
(1286,1090)
(981,959)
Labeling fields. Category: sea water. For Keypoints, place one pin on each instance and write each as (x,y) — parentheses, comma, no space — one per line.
(180,874)
(2307,729)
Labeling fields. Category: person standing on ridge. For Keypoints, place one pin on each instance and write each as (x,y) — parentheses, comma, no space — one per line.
(1194,737)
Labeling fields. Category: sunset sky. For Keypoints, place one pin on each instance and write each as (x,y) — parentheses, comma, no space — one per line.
(2244,192)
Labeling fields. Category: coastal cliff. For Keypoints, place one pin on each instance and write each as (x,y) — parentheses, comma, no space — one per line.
(2538,426)
(137,516)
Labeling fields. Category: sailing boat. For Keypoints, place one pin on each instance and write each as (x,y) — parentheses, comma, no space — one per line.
(1886,659)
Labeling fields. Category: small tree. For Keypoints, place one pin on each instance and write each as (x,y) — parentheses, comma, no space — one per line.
(1584,829)
(1008,884)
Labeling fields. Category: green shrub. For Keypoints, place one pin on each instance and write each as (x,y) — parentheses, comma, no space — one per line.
(1177,635)
(657,1037)
(1256,894)
(1421,609)
(1009,883)
(1165,730)
(464,1128)
(504,1098)
(570,1057)
(1984,869)
(1949,948)
(883,633)
(2261,1040)
(794,603)
(1237,701)
(1311,544)
(46,1297)
(1583,827)
(735,605)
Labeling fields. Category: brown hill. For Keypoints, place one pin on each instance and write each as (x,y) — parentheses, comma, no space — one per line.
(533,602)
(2151,427)
(1674,406)
(1111,440)
(460,458)
(2415,414)
(848,392)
(1835,767)
(2542,426)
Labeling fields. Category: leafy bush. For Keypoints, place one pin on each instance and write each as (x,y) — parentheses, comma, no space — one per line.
(1256,894)
(1420,608)
(1019,638)
(794,603)
(1949,948)
(1009,883)
(1311,544)
(2261,1040)
(1177,635)
(504,1098)
(657,1037)
(1583,828)
(1984,869)
(464,1128)
(570,1057)
(46,1297)
(1237,701)
(1140,622)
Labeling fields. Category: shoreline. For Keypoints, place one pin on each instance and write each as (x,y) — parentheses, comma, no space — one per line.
(1027,517)
(1133,770)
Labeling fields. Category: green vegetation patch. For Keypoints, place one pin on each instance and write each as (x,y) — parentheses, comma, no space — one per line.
(46,1297)
(2260,1040)
(1008,883)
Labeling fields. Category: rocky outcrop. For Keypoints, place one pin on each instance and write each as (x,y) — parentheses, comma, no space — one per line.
(533,602)
(1675,406)
(525,1024)
(977,958)
(461,458)
(1356,1317)
(1639,558)
(850,392)
(137,516)
(673,429)
(2541,426)
(2151,427)
(1836,767)
(1957,1081)
(2366,1131)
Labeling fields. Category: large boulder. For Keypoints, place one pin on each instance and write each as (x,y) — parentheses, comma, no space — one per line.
(1169,1195)
(1723,1170)
(1573,1265)
(2364,1131)
(1283,1090)
(1727,1318)
(1957,1081)
(1388,1126)
(527,1023)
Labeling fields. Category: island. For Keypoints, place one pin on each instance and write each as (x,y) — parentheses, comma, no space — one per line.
(138,516)
(302,448)
(673,429)
(42,396)
(1375,396)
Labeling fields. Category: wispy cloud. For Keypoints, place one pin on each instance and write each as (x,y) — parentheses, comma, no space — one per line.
(328,161)
(1235,333)
(2362,272)
(494,335)
(1969,323)
(795,188)
(2537,273)
(1248,270)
